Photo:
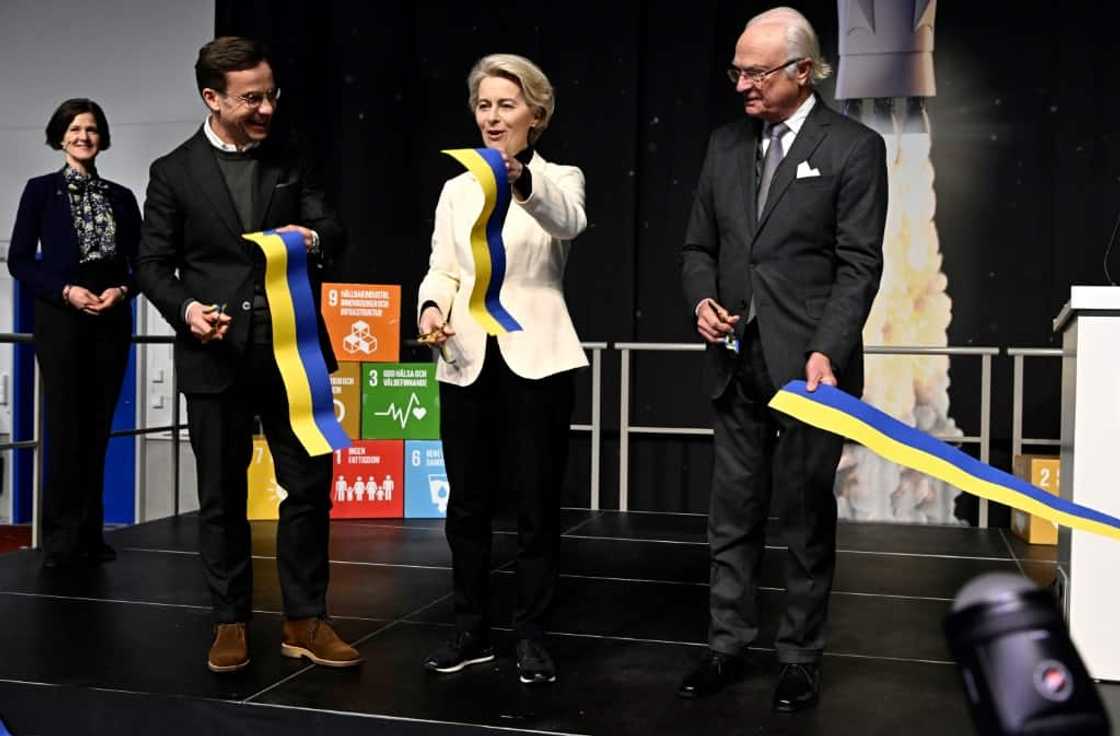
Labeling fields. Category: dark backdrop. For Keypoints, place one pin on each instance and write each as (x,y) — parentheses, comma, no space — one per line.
(1024,147)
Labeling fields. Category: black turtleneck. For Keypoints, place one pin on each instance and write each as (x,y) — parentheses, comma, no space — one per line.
(524,184)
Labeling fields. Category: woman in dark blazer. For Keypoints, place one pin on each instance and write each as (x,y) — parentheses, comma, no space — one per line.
(86,231)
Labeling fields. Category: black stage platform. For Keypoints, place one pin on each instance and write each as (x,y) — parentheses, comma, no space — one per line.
(121,649)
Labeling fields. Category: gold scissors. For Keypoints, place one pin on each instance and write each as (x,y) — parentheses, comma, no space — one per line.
(433,340)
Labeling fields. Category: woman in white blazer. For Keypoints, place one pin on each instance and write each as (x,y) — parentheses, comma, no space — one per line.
(506,401)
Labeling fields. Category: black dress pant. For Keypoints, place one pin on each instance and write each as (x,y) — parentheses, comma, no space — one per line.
(221,428)
(82,360)
(764,461)
(504,429)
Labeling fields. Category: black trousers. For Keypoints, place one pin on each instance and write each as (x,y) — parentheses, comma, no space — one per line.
(766,460)
(501,429)
(82,360)
(221,428)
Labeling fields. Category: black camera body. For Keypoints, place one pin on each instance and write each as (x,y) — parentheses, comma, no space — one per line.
(1021,672)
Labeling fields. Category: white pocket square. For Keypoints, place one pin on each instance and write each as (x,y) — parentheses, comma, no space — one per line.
(804,171)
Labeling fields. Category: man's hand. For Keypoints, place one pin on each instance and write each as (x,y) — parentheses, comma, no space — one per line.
(818,370)
(713,322)
(207,323)
(308,236)
(433,330)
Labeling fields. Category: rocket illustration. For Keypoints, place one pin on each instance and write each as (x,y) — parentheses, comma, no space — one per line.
(886,53)
(884,79)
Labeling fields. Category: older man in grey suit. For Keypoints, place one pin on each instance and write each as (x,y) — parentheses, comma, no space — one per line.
(780,264)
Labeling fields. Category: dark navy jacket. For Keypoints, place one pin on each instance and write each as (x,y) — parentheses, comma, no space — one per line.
(44,219)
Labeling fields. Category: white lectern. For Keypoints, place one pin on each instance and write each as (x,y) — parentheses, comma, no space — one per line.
(1089,564)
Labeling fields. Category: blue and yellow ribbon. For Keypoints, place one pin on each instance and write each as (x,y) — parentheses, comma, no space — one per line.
(486,238)
(295,342)
(835,411)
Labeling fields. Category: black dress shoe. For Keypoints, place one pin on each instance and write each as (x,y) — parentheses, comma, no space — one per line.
(100,553)
(714,672)
(57,561)
(799,687)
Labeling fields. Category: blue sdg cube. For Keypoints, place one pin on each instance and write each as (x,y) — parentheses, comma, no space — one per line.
(426,489)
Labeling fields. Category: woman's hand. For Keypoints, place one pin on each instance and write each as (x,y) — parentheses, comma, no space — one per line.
(110,297)
(83,299)
(513,168)
(433,330)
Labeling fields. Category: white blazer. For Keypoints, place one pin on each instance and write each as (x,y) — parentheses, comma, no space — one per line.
(537,236)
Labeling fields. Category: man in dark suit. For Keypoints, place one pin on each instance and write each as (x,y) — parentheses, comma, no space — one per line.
(780,264)
(227,179)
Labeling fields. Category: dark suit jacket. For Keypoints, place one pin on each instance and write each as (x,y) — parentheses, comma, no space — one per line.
(812,260)
(192,248)
(44,219)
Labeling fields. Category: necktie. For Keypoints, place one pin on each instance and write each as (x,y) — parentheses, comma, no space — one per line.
(774,155)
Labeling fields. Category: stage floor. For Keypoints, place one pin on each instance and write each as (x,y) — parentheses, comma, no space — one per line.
(121,649)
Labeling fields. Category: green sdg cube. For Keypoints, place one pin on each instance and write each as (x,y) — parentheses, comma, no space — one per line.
(400,401)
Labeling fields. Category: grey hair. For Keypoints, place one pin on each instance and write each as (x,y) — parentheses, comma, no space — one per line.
(801,40)
(535,87)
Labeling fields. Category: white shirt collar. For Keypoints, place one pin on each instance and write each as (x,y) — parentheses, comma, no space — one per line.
(219,143)
(797,119)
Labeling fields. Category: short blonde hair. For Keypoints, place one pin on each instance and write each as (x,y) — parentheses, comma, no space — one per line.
(535,87)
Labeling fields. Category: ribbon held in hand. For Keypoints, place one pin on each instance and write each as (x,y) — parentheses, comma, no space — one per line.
(833,410)
(295,342)
(487,247)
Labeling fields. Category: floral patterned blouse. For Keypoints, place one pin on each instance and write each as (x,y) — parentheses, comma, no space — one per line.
(93,215)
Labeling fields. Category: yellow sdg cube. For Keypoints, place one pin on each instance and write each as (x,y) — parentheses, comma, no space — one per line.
(1041,471)
(265,494)
(347,392)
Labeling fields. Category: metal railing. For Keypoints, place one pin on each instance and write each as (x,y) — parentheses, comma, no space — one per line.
(595,427)
(33,445)
(36,444)
(175,427)
(1018,357)
(625,429)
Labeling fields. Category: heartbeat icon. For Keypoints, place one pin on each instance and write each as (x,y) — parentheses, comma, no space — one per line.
(401,415)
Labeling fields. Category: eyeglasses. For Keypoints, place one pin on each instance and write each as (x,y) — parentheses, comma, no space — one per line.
(755,76)
(256,99)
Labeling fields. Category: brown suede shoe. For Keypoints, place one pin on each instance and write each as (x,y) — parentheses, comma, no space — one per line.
(315,639)
(230,650)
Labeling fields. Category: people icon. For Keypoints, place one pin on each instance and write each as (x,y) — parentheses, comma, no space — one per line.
(364,490)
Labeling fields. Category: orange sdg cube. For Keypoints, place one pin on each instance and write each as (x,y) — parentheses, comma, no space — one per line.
(363,321)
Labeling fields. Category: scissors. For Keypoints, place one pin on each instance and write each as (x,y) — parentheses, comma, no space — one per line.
(221,309)
(431,339)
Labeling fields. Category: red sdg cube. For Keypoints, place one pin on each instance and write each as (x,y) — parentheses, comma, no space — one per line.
(369,480)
